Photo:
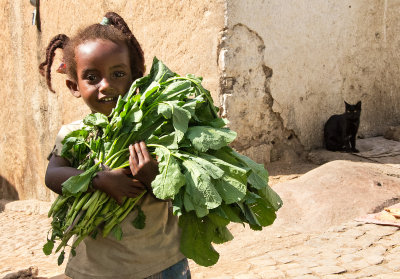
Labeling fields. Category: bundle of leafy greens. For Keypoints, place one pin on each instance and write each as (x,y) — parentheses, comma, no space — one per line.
(209,183)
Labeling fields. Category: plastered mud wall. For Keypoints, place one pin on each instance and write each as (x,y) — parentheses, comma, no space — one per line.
(183,34)
(288,65)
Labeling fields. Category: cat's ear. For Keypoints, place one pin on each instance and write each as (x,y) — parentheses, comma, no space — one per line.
(358,105)
(346,104)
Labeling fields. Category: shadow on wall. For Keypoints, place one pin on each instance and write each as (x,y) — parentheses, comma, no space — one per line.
(7,190)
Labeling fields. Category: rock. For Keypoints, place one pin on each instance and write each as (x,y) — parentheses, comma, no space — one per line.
(335,192)
(392,133)
(28,273)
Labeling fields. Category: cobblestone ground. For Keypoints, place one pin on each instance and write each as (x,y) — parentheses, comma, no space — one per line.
(352,250)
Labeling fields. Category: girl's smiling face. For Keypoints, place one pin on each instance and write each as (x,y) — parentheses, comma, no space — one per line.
(103,74)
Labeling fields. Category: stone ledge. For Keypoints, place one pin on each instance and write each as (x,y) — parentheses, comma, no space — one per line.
(26,206)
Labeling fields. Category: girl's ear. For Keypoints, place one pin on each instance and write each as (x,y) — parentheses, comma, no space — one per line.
(73,88)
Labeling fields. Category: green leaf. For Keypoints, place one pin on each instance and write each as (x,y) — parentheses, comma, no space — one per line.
(167,184)
(175,89)
(232,185)
(206,137)
(180,117)
(140,221)
(259,179)
(79,183)
(177,203)
(200,187)
(96,119)
(208,166)
(117,232)
(232,211)
(196,240)
(134,115)
(200,209)
(48,247)
(259,175)
(60,259)
(159,71)
(263,212)
(221,235)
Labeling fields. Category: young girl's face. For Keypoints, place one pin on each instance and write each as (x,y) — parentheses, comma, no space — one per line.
(103,74)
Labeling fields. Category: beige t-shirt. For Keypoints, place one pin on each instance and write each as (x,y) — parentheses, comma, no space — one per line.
(140,253)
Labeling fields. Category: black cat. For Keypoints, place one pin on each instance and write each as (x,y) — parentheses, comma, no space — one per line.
(340,130)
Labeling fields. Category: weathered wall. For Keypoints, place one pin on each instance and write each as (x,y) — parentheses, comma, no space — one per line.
(288,65)
(183,34)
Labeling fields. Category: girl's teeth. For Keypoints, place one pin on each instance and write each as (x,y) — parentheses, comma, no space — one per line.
(108,99)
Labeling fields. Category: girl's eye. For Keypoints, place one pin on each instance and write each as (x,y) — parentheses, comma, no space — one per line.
(91,77)
(119,74)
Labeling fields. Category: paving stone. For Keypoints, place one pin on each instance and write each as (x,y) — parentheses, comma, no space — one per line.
(393,264)
(383,230)
(395,250)
(395,237)
(289,266)
(285,260)
(346,250)
(335,276)
(263,261)
(349,258)
(386,242)
(308,262)
(328,262)
(316,242)
(395,275)
(365,241)
(354,232)
(373,251)
(347,241)
(307,276)
(248,276)
(298,272)
(356,265)
(374,270)
(275,274)
(374,260)
(326,270)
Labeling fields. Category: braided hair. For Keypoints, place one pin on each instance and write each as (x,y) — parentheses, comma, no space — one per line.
(116,30)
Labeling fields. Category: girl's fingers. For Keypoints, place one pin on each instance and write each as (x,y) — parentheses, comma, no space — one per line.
(139,152)
(133,155)
(145,152)
(132,166)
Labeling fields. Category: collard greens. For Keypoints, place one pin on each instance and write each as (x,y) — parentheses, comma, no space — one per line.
(209,183)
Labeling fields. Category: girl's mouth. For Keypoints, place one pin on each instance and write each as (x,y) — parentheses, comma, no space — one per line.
(109,99)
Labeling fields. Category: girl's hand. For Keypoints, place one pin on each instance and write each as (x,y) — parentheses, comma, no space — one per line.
(118,184)
(142,165)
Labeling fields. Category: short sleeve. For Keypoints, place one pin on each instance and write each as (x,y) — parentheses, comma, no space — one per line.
(65,130)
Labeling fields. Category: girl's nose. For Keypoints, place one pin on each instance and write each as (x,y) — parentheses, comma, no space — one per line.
(105,86)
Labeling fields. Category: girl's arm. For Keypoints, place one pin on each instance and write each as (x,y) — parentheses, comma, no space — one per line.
(58,171)
(116,183)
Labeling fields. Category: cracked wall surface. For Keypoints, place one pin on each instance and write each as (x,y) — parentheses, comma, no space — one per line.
(321,54)
(247,101)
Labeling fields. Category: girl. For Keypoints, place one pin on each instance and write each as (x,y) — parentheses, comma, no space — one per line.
(101,62)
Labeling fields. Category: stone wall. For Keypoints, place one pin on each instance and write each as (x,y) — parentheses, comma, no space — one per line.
(288,65)
(183,34)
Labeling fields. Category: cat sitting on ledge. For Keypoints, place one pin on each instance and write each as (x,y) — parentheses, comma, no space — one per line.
(341,129)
